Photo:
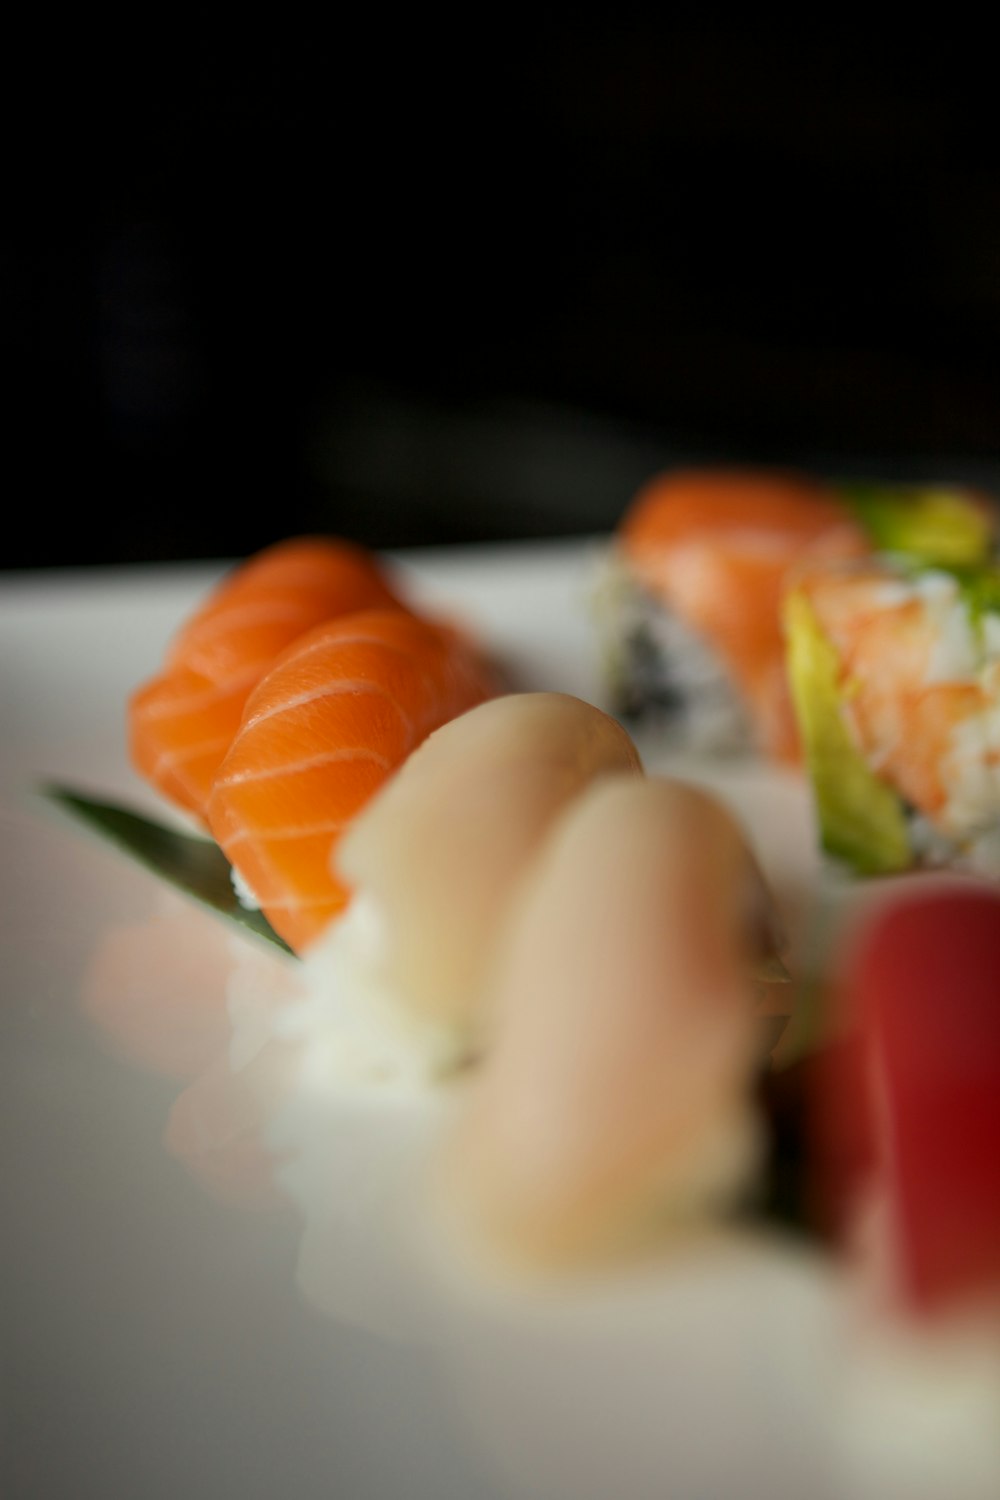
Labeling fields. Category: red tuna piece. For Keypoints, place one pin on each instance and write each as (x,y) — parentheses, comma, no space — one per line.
(922,983)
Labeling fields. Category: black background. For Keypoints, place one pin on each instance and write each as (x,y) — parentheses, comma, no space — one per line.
(423,284)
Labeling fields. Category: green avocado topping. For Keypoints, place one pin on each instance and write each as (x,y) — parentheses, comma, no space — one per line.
(980,588)
(861,820)
(936,525)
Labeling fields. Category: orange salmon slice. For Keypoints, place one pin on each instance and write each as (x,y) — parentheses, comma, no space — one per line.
(718,547)
(182,722)
(339,711)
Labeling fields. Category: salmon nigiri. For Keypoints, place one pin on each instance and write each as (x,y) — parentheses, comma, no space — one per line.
(701,558)
(182,722)
(338,712)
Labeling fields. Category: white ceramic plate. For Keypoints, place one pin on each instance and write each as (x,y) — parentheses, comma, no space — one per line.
(171,1321)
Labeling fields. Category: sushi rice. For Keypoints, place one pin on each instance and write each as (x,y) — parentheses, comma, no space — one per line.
(361,1033)
(661,671)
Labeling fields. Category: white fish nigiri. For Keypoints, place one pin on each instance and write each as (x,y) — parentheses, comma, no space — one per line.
(617,1086)
(432,862)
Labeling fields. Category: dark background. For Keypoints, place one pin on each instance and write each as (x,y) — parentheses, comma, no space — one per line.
(424,285)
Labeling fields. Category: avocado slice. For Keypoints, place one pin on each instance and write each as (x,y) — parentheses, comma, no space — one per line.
(939,525)
(980,588)
(862,821)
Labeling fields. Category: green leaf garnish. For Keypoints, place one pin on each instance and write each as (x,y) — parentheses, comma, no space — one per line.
(194,865)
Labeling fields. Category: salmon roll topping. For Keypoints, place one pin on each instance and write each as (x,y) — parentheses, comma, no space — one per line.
(700,563)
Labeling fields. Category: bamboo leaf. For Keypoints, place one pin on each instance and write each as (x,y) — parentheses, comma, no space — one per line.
(192,864)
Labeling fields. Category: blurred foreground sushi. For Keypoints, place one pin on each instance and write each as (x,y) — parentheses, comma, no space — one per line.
(904,1131)
(690,611)
(895,676)
(906,1106)
(615,1104)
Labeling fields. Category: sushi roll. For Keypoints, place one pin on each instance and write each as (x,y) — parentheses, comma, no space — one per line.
(689,609)
(895,677)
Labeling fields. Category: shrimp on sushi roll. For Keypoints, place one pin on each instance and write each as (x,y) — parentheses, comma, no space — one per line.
(690,611)
(895,676)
